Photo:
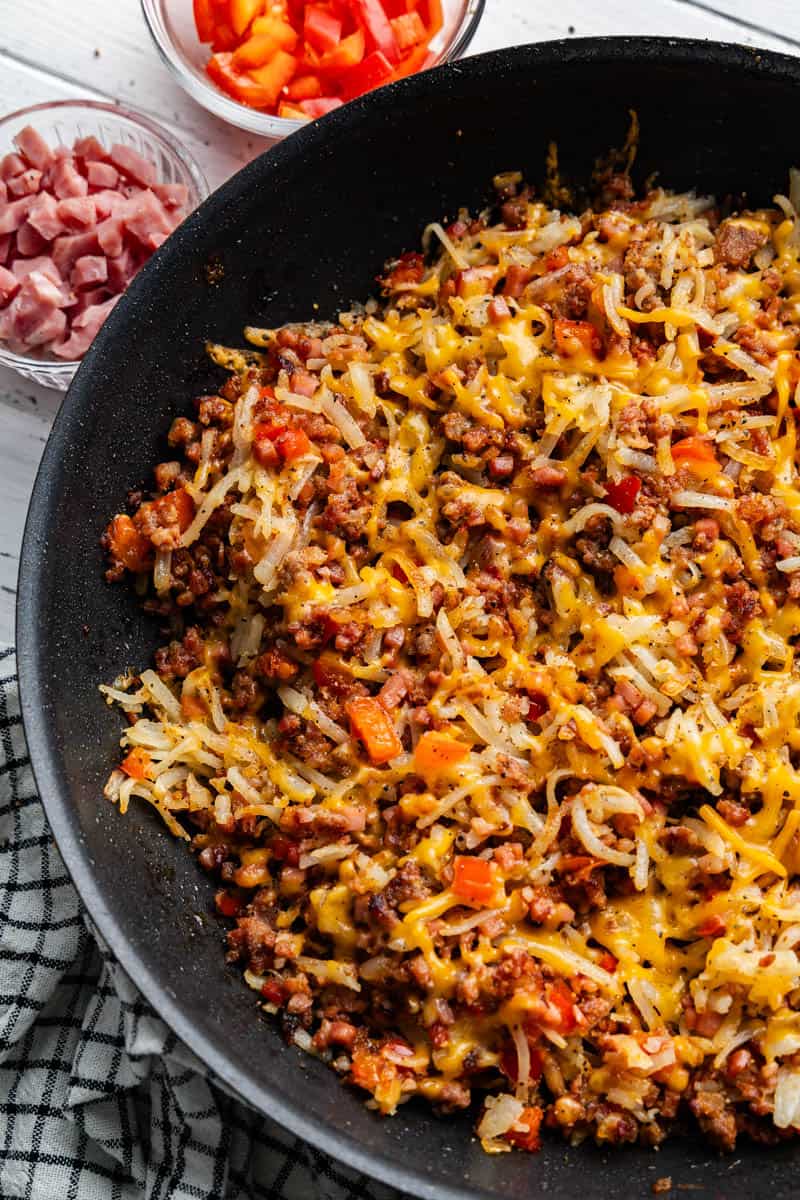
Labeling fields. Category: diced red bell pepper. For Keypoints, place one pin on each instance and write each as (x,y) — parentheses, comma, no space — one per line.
(320,105)
(274,75)
(408,30)
(292,444)
(255,52)
(371,15)
(371,723)
(242,13)
(224,40)
(525,1134)
(608,962)
(280,31)
(557,258)
(621,494)
(304,87)
(178,501)
(237,84)
(560,996)
(348,53)
(573,336)
(291,112)
(128,545)
(321,28)
(369,74)
(416,60)
(435,17)
(136,763)
(204,20)
(473,880)
(696,454)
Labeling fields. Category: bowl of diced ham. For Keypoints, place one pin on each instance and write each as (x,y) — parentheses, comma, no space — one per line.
(88,193)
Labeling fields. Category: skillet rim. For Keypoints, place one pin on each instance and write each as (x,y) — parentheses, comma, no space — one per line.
(251,1088)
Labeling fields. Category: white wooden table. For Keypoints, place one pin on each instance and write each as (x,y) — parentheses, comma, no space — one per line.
(57,49)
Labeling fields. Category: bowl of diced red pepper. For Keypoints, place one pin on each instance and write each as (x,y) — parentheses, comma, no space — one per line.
(269,66)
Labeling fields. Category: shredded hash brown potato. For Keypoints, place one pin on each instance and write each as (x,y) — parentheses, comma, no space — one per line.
(479,697)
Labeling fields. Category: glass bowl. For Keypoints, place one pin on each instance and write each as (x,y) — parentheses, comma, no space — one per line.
(171,22)
(60,124)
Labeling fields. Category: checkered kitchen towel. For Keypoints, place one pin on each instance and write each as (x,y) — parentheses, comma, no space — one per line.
(98,1100)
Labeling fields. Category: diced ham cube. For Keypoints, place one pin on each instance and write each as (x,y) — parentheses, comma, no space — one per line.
(89,270)
(23,267)
(5,247)
(25,321)
(102,175)
(109,235)
(122,268)
(133,164)
(84,330)
(11,165)
(33,147)
(50,329)
(9,286)
(44,218)
(172,195)
(26,184)
(146,219)
(29,240)
(3,192)
(77,212)
(90,150)
(88,299)
(66,180)
(14,214)
(92,318)
(107,203)
(40,289)
(67,250)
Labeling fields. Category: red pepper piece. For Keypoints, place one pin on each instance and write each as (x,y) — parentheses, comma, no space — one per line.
(369,74)
(622,493)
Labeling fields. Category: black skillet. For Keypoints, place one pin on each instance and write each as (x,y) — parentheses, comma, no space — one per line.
(310,223)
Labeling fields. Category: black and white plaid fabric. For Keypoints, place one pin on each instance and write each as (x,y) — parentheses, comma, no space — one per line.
(98,1100)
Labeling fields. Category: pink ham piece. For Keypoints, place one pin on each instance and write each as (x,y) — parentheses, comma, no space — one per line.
(129,162)
(9,285)
(23,267)
(40,289)
(90,149)
(102,175)
(44,218)
(77,212)
(33,148)
(89,270)
(66,180)
(67,250)
(26,184)
(14,213)
(76,224)
(147,220)
(84,330)
(172,195)
(108,202)
(29,241)
(122,269)
(110,235)
(11,165)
